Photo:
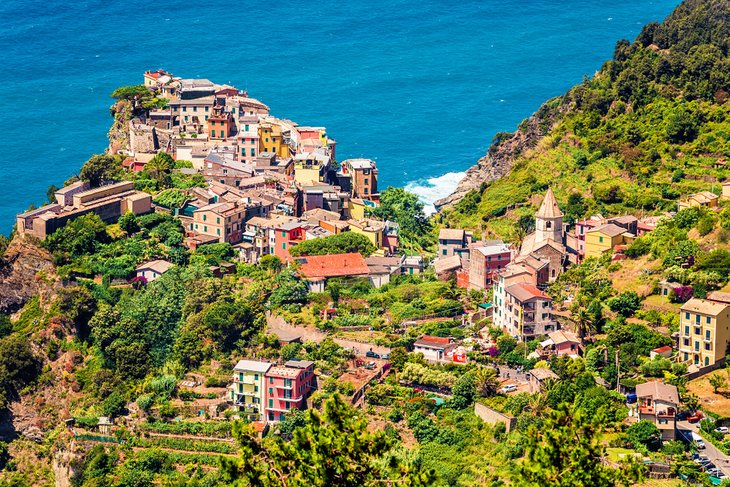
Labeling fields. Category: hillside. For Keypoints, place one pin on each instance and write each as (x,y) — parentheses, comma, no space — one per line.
(650,126)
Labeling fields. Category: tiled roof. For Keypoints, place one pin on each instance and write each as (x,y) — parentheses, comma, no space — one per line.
(323,266)
(159,266)
(525,292)
(658,390)
(704,306)
(542,374)
(451,234)
(433,342)
(610,229)
(563,336)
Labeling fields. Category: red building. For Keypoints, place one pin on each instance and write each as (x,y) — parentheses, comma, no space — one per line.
(288,387)
(286,236)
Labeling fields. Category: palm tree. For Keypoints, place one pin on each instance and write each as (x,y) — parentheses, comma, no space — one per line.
(160,167)
(487,381)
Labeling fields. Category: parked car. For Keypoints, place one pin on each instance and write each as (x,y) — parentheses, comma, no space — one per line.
(696,417)
(508,388)
(682,415)
(371,354)
(631,398)
(700,444)
(385,356)
(722,429)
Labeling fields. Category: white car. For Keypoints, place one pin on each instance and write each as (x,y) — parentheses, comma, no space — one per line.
(508,388)
(722,429)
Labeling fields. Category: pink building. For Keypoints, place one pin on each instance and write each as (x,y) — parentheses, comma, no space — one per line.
(563,342)
(287,387)
(485,260)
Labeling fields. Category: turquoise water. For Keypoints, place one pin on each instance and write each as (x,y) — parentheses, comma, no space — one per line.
(420,88)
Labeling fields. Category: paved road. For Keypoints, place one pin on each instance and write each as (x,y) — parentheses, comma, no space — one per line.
(279,326)
(717,457)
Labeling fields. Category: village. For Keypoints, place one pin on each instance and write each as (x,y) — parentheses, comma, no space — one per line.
(269,185)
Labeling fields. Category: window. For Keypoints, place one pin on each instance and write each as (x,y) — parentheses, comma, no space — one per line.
(256,377)
(256,388)
(707,346)
(686,356)
(548,225)
(185,109)
(205,217)
(186,118)
(271,391)
(253,152)
(271,403)
(207,108)
(366,181)
(240,376)
(697,346)
(283,245)
(205,228)
(443,252)
(212,133)
(686,330)
(217,219)
(697,330)
(245,127)
(707,334)
(366,191)
(195,109)
(686,316)
(686,342)
(600,239)
(271,380)
(218,231)
(707,361)
(708,320)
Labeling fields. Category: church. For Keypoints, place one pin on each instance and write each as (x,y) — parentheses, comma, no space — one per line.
(546,246)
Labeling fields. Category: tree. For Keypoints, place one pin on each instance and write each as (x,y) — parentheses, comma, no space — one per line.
(567,451)
(51,193)
(404,208)
(644,434)
(289,290)
(625,303)
(128,222)
(487,381)
(330,448)
(342,243)
(464,391)
(160,168)
(18,365)
(717,382)
(130,92)
(100,167)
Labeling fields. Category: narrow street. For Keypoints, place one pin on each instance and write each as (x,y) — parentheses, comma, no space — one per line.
(720,460)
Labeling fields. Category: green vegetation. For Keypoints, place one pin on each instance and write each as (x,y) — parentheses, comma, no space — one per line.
(405,209)
(341,243)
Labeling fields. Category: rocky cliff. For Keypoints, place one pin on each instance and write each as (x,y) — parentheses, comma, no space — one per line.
(19,267)
(503,152)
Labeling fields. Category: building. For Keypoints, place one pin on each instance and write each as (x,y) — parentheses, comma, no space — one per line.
(109,202)
(453,241)
(658,402)
(153,269)
(547,242)
(287,235)
(537,379)
(525,311)
(288,387)
(562,342)
(707,199)
(220,123)
(434,349)
(316,269)
(372,229)
(248,388)
(363,177)
(485,260)
(603,239)
(704,332)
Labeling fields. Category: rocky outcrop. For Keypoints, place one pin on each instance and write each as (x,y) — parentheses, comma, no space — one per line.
(502,154)
(19,268)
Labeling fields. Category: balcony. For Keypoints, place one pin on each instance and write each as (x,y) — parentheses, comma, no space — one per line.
(289,399)
(285,387)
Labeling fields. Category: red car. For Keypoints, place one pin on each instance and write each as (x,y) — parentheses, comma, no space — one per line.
(696,417)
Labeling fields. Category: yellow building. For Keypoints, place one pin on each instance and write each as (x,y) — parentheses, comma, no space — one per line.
(357,209)
(704,327)
(704,198)
(603,239)
(372,229)
(271,139)
(248,388)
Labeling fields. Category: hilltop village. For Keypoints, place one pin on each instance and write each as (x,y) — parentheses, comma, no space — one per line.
(219,299)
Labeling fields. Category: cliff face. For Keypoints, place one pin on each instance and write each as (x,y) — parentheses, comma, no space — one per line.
(19,266)
(498,161)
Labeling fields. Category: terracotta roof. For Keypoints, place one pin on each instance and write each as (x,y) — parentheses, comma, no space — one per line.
(658,390)
(563,336)
(445,264)
(525,292)
(323,266)
(665,348)
(451,234)
(433,342)
(549,207)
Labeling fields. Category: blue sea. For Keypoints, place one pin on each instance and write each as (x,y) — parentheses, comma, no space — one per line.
(419,87)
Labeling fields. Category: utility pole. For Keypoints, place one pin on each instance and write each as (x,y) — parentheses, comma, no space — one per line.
(618,373)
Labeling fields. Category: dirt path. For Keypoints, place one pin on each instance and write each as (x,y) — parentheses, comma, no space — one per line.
(277,325)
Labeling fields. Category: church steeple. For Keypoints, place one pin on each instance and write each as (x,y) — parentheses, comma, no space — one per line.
(549,220)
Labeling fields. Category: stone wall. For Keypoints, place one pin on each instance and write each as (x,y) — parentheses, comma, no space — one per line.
(492,416)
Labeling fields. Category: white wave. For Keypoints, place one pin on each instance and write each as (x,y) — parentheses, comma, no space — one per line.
(432,189)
